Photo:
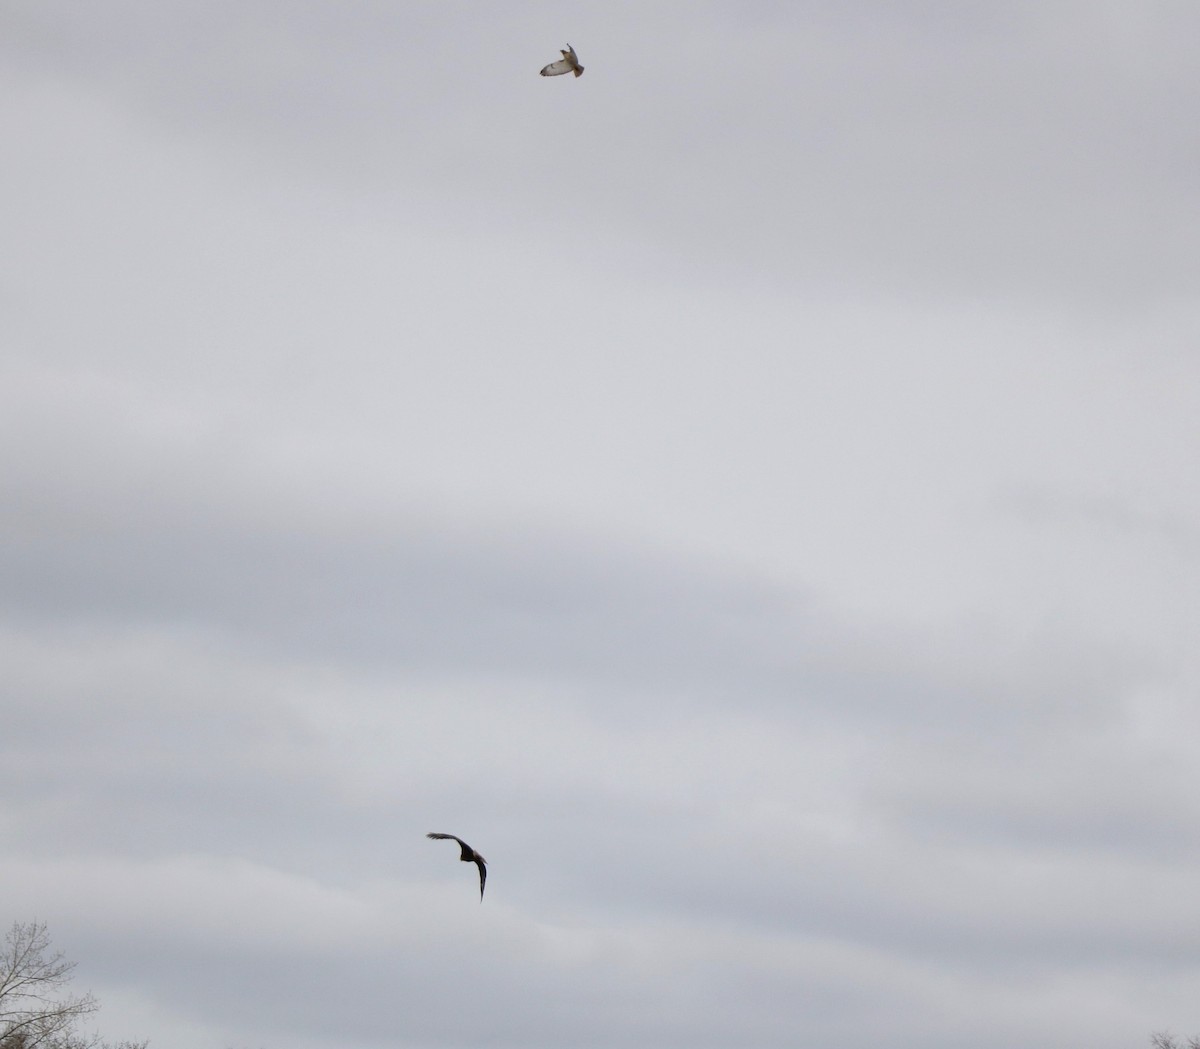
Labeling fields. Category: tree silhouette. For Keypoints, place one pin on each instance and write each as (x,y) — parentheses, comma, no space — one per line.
(36,1011)
(1165,1040)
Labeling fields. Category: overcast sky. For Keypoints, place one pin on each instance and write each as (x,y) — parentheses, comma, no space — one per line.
(751,492)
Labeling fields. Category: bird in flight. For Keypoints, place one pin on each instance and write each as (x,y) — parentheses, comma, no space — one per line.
(469,855)
(569,63)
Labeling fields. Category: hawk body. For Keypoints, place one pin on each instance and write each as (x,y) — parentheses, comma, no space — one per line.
(569,63)
(468,855)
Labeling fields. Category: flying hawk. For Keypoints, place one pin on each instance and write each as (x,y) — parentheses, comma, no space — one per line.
(569,63)
(469,855)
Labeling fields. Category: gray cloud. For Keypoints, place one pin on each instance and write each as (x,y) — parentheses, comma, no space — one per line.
(1038,152)
(747,491)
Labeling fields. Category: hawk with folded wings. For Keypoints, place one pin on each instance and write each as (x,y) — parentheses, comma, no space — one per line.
(569,63)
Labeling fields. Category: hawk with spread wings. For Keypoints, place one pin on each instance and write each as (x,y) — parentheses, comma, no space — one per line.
(469,855)
(569,63)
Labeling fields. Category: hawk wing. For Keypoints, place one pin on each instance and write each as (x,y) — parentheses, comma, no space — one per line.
(563,65)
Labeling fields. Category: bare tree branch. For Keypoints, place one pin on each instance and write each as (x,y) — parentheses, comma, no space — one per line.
(1166,1040)
(35,1010)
